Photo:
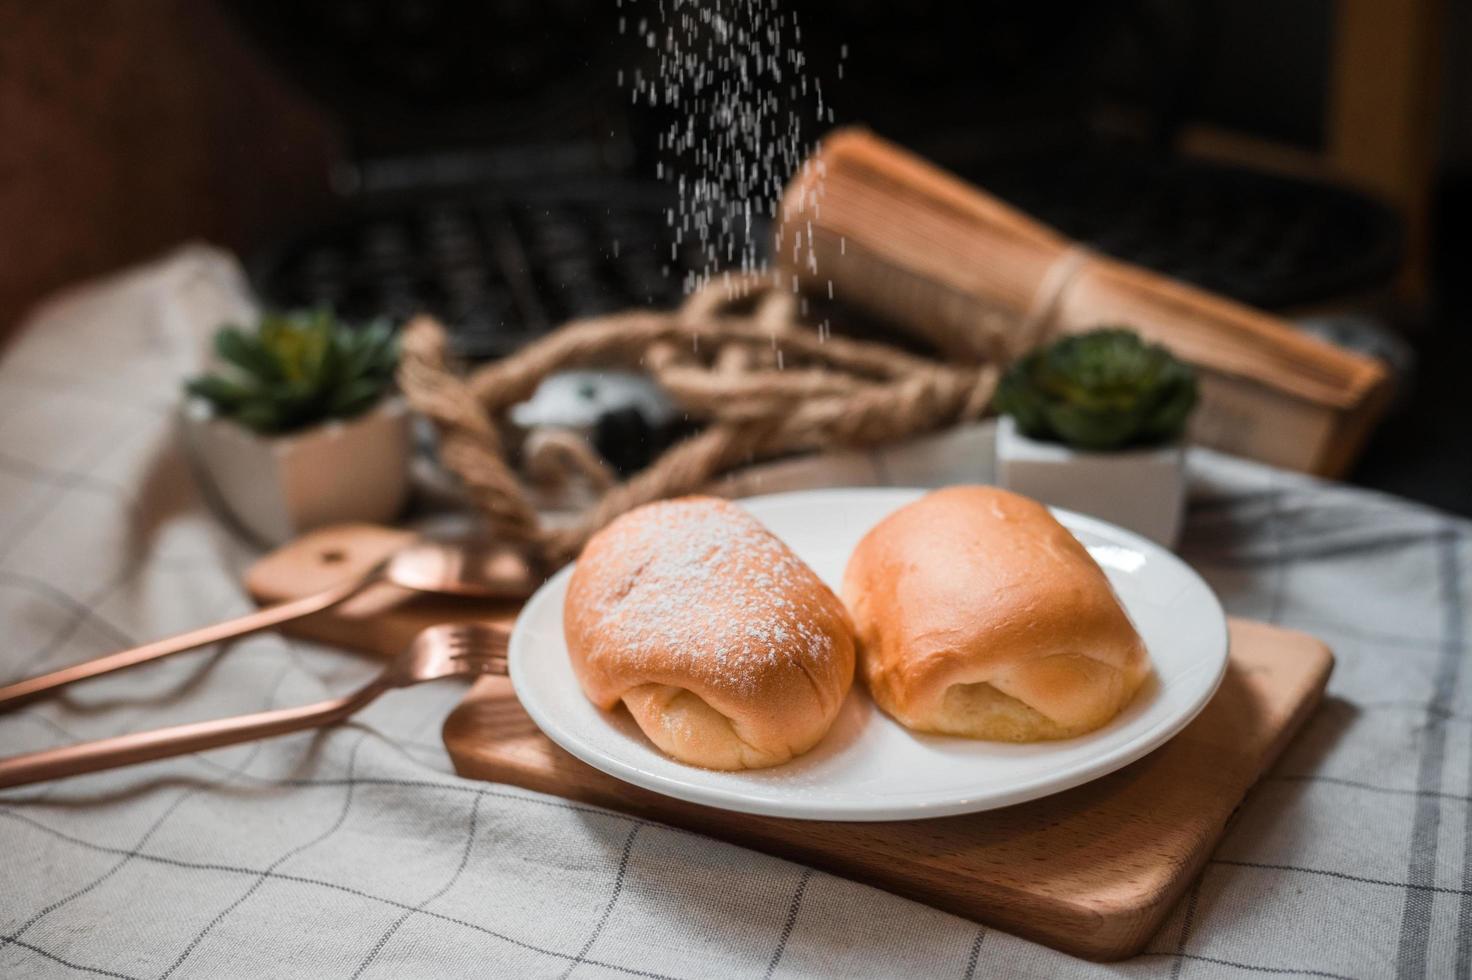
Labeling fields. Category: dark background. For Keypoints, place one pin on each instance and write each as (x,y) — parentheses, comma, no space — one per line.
(1314,158)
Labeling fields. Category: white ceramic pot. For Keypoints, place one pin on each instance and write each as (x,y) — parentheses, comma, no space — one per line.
(1143,490)
(276,487)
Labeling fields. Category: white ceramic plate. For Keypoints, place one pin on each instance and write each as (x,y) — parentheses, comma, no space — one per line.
(868,767)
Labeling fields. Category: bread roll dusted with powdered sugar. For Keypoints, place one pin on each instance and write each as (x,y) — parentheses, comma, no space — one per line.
(726,648)
(978,614)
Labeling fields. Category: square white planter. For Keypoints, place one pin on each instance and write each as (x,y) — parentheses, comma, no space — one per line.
(1143,490)
(276,487)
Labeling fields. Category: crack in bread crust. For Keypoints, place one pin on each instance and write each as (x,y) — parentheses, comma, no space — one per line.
(982,711)
(677,720)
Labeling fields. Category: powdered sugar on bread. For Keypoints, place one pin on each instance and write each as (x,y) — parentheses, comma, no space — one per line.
(707,580)
(695,595)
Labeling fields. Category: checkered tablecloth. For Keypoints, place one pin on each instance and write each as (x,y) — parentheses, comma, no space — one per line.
(356,852)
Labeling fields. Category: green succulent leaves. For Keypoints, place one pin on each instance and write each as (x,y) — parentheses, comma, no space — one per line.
(1105,389)
(298,370)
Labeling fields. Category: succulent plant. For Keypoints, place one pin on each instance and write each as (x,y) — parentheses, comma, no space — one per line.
(297,370)
(1105,389)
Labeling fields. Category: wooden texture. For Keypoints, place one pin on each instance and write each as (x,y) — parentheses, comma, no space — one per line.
(1384,113)
(1092,871)
(899,238)
(132,126)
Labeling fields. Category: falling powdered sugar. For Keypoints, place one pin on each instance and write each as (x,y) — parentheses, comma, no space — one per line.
(735,84)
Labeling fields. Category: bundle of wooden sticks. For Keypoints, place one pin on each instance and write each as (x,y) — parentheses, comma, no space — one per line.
(894,236)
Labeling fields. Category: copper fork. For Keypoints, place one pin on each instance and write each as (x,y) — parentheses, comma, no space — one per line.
(459,650)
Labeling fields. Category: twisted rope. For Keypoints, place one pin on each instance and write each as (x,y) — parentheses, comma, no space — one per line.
(734,357)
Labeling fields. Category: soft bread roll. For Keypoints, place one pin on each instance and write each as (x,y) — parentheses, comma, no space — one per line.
(978,614)
(729,652)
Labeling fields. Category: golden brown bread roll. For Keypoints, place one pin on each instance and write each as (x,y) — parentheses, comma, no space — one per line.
(978,614)
(729,652)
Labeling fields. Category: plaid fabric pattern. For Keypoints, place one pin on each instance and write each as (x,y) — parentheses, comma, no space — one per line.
(355,852)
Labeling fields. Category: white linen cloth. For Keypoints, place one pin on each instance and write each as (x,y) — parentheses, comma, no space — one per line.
(356,852)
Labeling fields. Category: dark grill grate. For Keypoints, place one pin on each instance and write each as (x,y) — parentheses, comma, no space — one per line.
(498,268)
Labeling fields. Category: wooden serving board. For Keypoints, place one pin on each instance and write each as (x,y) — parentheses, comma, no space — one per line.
(1092,871)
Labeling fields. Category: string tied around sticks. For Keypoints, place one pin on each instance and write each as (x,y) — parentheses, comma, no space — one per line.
(734,357)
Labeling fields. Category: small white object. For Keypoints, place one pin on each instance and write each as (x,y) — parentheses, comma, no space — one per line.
(577,399)
(1143,490)
(868,767)
(276,487)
